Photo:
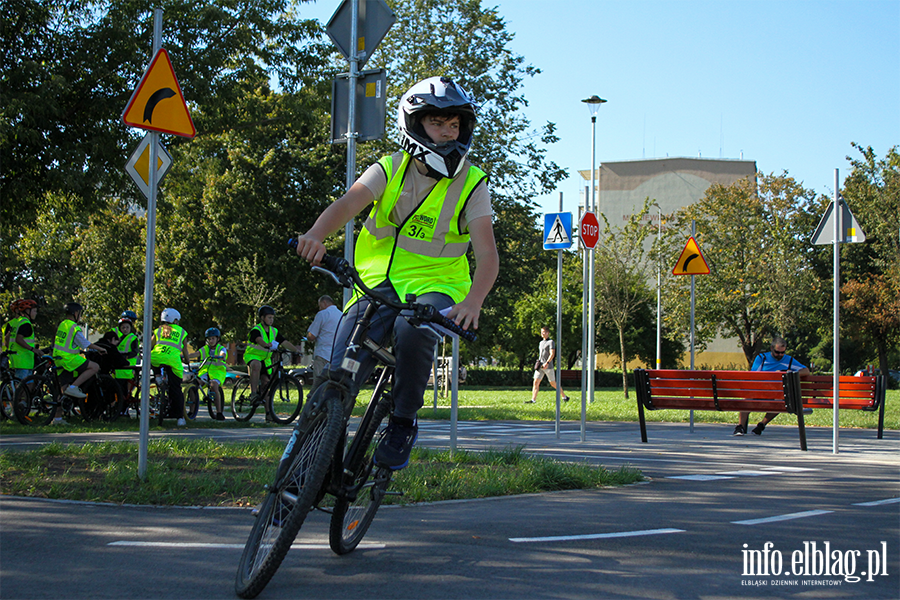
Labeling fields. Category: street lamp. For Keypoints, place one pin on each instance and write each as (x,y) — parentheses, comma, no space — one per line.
(593,103)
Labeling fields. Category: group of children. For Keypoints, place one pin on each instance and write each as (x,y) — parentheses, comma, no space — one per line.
(117,353)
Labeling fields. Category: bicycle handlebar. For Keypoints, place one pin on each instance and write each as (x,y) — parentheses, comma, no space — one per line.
(348,277)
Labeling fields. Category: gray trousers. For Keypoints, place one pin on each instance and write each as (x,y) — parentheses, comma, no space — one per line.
(412,347)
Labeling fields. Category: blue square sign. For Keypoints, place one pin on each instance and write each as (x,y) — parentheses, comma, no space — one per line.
(557,231)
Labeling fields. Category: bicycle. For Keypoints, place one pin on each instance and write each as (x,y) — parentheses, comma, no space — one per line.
(322,457)
(198,391)
(277,395)
(39,395)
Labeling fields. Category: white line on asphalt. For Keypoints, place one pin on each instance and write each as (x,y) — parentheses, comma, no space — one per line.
(787,517)
(227,546)
(700,477)
(878,502)
(596,536)
(747,473)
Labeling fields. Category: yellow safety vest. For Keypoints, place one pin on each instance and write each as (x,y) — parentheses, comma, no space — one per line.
(168,349)
(124,346)
(255,354)
(66,354)
(215,367)
(427,251)
(20,357)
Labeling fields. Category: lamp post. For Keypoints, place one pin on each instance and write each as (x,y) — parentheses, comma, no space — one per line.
(593,103)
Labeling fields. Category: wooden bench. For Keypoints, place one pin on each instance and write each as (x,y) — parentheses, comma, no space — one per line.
(726,391)
(856,393)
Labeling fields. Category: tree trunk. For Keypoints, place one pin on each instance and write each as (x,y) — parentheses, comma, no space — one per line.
(622,356)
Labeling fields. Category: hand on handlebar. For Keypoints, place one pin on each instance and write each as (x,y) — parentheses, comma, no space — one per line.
(465,314)
(310,249)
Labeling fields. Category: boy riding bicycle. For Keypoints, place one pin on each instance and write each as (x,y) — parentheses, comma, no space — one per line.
(262,341)
(429,204)
(212,357)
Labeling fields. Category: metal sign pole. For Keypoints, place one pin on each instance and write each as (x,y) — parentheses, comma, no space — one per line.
(351,129)
(693,233)
(585,365)
(838,213)
(144,439)
(558,324)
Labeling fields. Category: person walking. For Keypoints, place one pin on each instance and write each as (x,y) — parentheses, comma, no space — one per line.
(321,332)
(544,366)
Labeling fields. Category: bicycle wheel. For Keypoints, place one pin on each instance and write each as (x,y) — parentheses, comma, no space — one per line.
(286,399)
(241,406)
(356,505)
(191,403)
(35,401)
(7,397)
(300,474)
(211,397)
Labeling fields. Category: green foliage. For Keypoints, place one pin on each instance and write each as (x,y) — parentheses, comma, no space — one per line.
(754,235)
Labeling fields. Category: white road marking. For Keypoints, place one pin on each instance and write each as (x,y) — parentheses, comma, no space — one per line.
(595,536)
(371,546)
(787,517)
(878,502)
(747,473)
(700,477)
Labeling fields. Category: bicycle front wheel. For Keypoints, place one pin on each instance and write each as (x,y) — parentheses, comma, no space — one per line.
(300,475)
(7,397)
(286,399)
(191,403)
(35,401)
(356,506)
(241,406)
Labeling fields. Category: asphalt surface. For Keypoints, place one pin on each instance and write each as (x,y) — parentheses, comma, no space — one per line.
(714,507)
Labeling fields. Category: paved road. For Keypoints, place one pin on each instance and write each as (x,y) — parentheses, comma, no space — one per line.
(711,503)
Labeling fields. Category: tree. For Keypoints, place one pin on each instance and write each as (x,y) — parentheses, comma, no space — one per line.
(755,237)
(621,271)
(872,314)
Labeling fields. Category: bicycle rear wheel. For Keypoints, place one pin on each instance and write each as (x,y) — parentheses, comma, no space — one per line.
(356,506)
(300,474)
(35,401)
(191,403)
(241,406)
(287,399)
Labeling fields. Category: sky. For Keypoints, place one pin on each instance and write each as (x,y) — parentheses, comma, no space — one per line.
(789,84)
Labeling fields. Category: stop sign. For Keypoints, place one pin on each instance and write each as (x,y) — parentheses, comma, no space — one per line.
(590,230)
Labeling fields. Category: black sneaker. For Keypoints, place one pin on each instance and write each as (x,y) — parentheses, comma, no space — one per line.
(399,438)
(220,416)
(759,428)
(740,430)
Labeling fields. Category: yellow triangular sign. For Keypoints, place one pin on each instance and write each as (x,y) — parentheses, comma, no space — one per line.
(158,104)
(691,261)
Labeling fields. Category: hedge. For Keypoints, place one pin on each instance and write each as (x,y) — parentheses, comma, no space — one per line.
(512,377)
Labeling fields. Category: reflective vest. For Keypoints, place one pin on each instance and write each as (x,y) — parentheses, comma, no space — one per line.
(124,347)
(252,353)
(65,352)
(215,367)
(20,357)
(168,348)
(427,251)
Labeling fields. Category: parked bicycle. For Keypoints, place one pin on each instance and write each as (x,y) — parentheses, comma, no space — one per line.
(281,396)
(201,391)
(323,457)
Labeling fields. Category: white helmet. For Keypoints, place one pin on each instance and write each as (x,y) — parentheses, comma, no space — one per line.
(170,315)
(442,95)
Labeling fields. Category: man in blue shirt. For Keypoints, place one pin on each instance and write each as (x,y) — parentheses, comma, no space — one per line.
(774,360)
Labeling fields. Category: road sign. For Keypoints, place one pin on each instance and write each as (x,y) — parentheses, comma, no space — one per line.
(138,166)
(158,104)
(691,261)
(590,230)
(375,18)
(557,231)
(852,232)
(371,103)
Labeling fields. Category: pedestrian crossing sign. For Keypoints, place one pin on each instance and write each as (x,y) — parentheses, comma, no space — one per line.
(557,231)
